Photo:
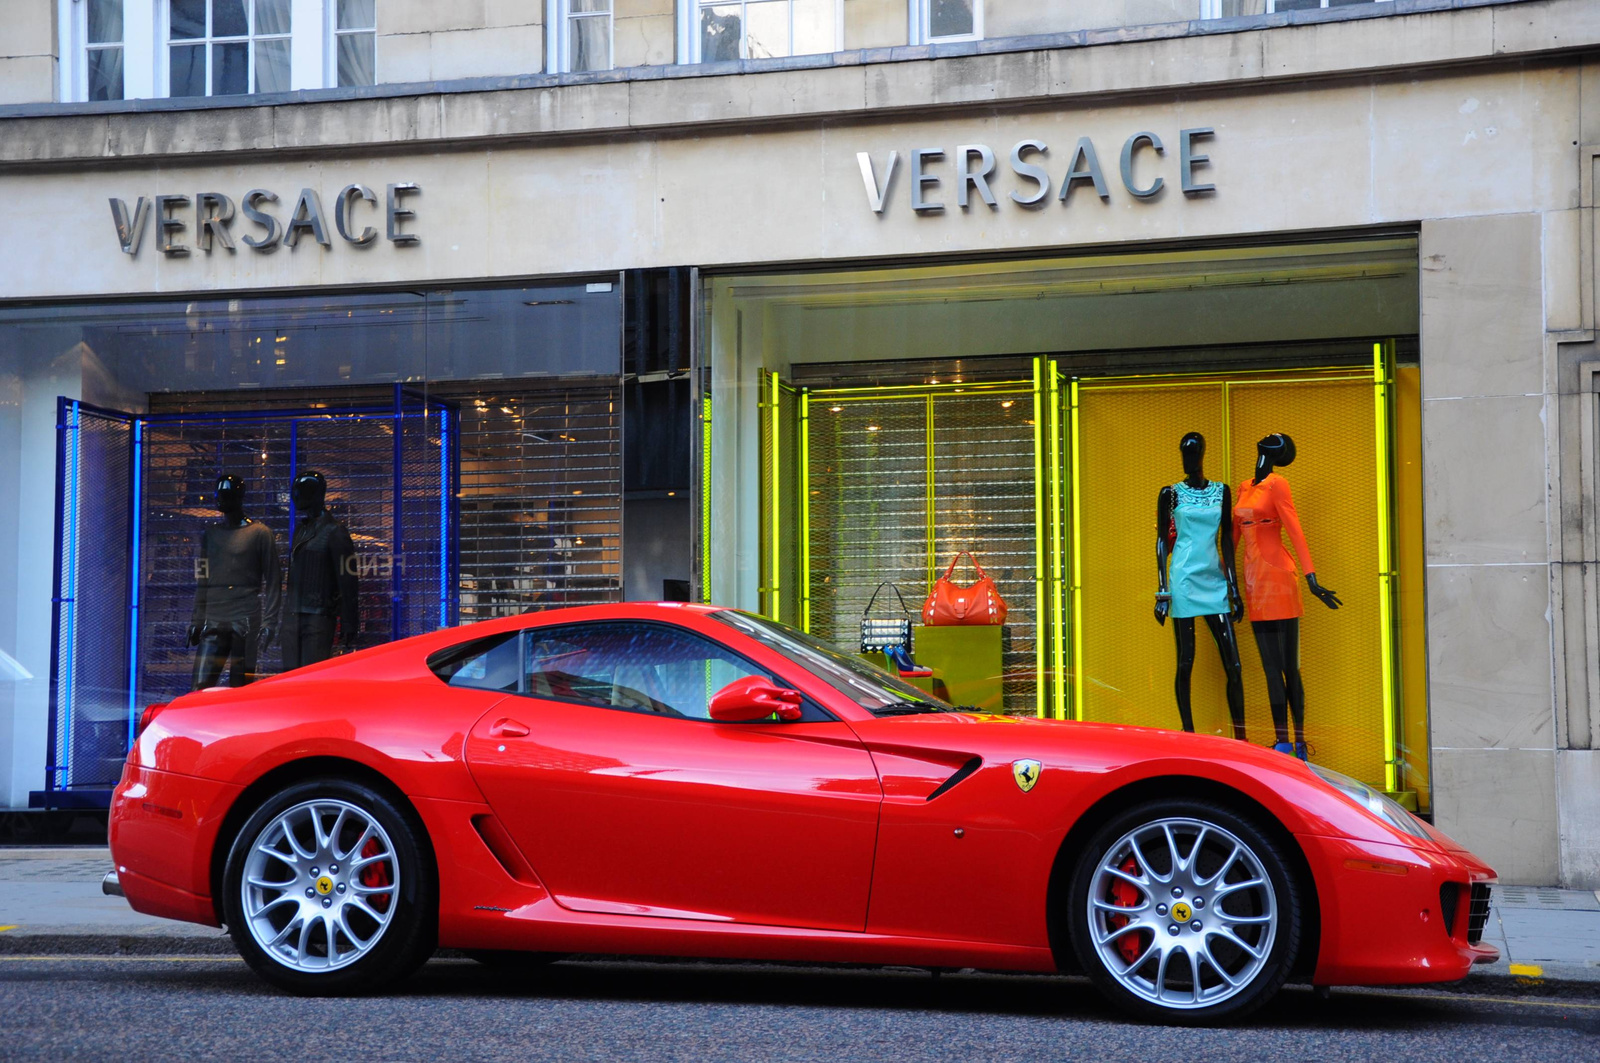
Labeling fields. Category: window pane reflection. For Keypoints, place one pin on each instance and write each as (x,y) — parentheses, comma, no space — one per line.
(719,33)
(187,18)
(105,73)
(228,18)
(590,44)
(230,69)
(187,70)
(356,14)
(356,59)
(950,18)
(272,65)
(105,22)
(767,33)
(272,16)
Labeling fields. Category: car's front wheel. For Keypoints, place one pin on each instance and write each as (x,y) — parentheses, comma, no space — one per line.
(1185,911)
(326,890)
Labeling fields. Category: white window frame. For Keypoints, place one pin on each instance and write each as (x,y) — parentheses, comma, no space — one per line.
(689,28)
(332,33)
(164,64)
(73,32)
(922,23)
(1213,8)
(558,36)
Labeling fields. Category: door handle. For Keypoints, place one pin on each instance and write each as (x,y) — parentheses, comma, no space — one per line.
(506,727)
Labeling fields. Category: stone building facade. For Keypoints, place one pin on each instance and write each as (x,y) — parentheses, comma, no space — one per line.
(1453,143)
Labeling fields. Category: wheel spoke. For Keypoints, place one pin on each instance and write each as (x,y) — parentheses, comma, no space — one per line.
(1144,958)
(1211,961)
(283,935)
(1143,884)
(1144,865)
(1172,850)
(304,945)
(330,927)
(1227,865)
(356,848)
(1116,909)
(1234,887)
(294,842)
(1161,973)
(1120,931)
(1239,943)
(280,899)
(1192,864)
(356,865)
(369,891)
(1232,920)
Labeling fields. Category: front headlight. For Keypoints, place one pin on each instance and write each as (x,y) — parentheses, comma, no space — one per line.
(1379,804)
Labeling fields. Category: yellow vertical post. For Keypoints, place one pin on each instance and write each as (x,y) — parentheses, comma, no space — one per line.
(805,510)
(705,499)
(1077,563)
(1058,663)
(929,501)
(1039,607)
(1380,389)
(775,583)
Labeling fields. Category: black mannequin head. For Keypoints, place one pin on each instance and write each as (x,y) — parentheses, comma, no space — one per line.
(1193,448)
(230,497)
(308,493)
(1275,451)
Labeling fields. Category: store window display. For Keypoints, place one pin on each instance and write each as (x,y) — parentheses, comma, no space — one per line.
(238,587)
(324,590)
(1264,511)
(1195,574)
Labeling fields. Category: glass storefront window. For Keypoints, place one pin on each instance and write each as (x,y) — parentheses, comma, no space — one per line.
(871,425)
(213,490)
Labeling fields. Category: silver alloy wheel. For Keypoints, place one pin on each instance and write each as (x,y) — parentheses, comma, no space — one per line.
(320,885)
(1191,903)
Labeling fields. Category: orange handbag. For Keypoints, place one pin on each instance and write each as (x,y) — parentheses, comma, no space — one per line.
(977,603)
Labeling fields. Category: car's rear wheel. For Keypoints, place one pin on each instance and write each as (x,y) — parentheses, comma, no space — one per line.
(326,890)
(1185,912)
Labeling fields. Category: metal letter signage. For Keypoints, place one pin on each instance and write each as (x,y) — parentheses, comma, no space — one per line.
(976,171)
(214,215)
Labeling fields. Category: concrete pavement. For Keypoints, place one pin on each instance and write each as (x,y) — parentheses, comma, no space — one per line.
(51,904)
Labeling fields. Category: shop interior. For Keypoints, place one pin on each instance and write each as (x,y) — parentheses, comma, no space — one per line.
(869,425)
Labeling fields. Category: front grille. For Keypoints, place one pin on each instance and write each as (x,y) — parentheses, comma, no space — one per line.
(1477,913)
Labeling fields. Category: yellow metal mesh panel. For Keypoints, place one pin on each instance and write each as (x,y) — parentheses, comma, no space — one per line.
(1334,480)
(780,512)
(1128,450)
(1413,606)
(983,502)
(1128,438)
(869,510)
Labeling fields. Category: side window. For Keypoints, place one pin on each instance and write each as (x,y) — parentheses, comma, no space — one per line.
(638,667)
(493,663)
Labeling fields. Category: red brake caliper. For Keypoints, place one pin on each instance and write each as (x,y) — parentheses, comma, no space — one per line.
(1126,895)
(377,874)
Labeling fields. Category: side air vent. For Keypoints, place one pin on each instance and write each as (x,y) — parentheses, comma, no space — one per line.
(498,841)
(1477,913)
(961,773)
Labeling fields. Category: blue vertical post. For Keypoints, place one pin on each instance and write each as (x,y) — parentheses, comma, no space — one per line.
(57,610)
(134,551)
(444,516)
(397,543)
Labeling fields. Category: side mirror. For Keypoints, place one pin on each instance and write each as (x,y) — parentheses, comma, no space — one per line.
(754,698)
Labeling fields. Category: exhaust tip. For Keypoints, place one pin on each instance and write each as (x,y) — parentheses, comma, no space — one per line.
(110,886)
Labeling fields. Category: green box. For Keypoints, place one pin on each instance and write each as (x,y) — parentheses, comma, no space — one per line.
(967,662)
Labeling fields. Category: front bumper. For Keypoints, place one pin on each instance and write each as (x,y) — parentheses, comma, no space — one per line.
(1383,917)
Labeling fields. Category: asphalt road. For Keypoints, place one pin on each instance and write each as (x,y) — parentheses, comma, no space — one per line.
(93,1008)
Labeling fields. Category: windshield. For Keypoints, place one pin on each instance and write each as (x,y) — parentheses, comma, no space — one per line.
(868,686)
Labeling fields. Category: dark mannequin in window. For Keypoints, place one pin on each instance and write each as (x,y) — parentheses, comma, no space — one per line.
(1196,577)
(1265,510)
(238,562)
(323,589)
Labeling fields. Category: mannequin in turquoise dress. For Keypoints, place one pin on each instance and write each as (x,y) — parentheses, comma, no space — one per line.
(1194,569)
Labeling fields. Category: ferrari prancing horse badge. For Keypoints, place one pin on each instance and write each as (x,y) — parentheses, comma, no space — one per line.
(1026,772)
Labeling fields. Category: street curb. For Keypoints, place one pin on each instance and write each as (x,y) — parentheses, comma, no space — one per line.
(1483,984)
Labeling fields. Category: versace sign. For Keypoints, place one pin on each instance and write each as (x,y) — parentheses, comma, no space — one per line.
(213,217)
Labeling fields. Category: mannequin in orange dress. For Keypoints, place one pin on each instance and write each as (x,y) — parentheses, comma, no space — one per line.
(1263,509)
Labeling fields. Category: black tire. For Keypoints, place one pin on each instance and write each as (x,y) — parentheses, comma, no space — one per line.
(403,944)
(1260,978)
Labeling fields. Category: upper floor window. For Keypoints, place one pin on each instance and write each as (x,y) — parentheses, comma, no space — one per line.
(98,24)
(947,20)
(226,47)
(762,29)
(355,40)
(581,36)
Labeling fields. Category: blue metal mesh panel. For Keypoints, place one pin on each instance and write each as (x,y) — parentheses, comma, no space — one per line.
(89,726)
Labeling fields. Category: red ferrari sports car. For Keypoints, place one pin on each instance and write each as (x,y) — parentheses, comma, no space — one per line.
(685,780)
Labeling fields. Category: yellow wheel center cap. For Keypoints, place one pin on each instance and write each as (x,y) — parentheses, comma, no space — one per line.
(325,887)
(1181,912)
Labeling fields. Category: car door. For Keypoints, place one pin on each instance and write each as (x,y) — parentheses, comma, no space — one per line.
(626,798)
